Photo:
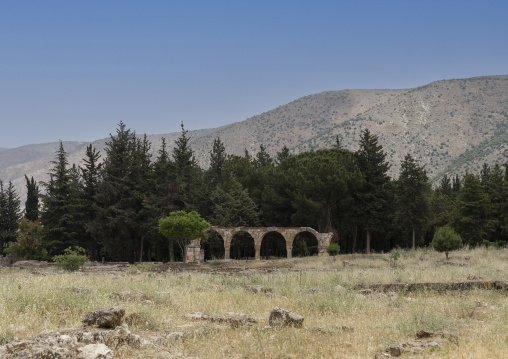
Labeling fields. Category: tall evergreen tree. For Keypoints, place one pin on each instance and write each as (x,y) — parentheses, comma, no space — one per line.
(61,214)
(412,197)
(218,159)
(32,199)
(162,200)
(372,200)
(262,158)
(91,176)
(10,215)
(282,155)
(183,157)
(474,208)
(120,196)
(236,208)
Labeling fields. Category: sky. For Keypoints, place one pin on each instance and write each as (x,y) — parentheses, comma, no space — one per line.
(72,70)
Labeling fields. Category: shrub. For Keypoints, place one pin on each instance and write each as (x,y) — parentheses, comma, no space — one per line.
(446,240)
(71,260)
(333,249)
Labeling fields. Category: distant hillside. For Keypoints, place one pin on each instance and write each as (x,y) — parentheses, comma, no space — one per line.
(451,126)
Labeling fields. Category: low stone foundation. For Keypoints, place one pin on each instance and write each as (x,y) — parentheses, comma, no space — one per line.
(439,286)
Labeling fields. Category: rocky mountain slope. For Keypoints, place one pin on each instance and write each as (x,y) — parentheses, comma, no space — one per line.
(451,126)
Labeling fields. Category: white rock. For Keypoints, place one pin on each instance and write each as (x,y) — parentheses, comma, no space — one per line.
(95,351)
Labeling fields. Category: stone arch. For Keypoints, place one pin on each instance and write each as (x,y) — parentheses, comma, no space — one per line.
(243,244)
(271,246)
(214,248)
(258,233)
(305,240)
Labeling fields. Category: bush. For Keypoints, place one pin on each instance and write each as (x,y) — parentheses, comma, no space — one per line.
(446,240)
(333,249)
(71,260)
(29,244)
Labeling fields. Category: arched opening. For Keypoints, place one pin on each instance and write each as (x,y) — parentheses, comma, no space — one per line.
(305,244)
(242,246)
(213,246)
(273,246)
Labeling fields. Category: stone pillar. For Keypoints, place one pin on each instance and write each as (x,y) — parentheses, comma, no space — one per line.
(257,248)
(289,250)
(227,249)
(324,240)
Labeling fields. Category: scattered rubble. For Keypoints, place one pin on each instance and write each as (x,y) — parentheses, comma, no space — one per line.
(130,296)
(258,289)
(108,317)
(235,319)
(425,340)
(282,317)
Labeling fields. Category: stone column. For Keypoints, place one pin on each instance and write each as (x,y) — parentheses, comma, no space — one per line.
(257,248)
(227,249)
(289,250)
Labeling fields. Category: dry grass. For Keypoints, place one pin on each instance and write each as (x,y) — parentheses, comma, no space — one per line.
(33,301)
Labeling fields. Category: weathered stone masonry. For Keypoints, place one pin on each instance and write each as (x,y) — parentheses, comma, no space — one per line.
(258,233)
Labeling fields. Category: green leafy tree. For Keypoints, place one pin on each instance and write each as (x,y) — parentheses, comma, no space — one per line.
(372,200)
(182,227)
(413,191)
(29,243)
(446,240)
(32,199)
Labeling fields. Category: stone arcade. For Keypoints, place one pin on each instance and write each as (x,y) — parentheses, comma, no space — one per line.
(258,233)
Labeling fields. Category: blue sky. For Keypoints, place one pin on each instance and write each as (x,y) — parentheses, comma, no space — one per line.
(72,70)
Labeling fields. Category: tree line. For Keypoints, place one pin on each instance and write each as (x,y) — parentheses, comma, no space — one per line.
(111,205)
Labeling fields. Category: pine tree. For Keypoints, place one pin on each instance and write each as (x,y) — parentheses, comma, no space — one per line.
(218,159)
(473,212)
(61,215)
(183,157)
(235,208)
(262,158)
(32,199)
(161,201)
(372,200)
(10,215)
(120,196)
(412,197)
(91,176)
(282,155)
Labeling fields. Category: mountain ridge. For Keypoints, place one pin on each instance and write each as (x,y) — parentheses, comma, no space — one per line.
(451,126)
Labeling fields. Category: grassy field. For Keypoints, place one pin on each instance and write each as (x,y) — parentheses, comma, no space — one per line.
(339,321)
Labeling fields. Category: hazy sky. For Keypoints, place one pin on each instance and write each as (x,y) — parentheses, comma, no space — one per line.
(72,70)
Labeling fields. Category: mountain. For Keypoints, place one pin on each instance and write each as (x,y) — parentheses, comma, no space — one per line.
(451,126)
